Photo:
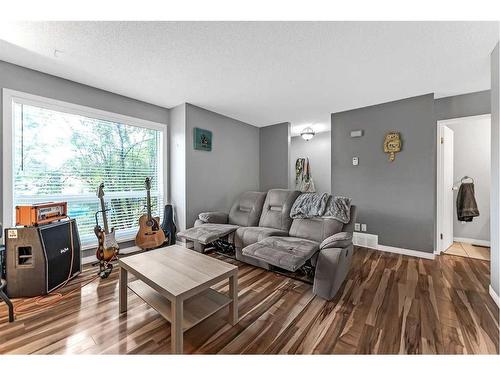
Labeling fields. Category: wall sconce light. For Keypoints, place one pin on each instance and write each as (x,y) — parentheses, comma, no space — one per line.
(307,133)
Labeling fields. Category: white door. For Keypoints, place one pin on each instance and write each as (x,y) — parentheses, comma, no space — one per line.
(447,188)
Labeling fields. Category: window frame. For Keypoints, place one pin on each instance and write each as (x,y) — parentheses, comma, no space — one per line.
(12,97)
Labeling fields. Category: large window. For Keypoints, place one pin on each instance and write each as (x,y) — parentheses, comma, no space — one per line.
(63,155)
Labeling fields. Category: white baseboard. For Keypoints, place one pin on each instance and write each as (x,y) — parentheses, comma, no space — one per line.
(472,241)
(371,241)
(409,252)
(494,296)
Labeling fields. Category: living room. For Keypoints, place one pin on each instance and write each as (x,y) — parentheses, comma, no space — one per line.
(275,187)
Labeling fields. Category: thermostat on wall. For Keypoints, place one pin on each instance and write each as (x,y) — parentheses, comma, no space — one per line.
(356,133)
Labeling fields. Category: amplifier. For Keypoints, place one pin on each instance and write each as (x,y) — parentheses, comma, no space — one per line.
(41,213)
(38,259)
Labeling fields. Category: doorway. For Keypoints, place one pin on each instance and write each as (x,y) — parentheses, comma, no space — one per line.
(464,158)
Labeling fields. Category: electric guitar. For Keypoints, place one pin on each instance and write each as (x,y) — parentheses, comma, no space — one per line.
(108,247)
(150,234)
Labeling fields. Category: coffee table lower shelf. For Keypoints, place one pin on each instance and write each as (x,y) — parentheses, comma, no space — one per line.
(196,308)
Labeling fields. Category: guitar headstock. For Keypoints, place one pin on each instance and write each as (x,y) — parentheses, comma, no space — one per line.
(147,183)
(100,190)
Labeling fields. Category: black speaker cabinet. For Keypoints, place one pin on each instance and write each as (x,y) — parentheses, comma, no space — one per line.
(38,258)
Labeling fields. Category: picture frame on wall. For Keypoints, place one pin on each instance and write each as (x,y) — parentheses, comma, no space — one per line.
(202,139)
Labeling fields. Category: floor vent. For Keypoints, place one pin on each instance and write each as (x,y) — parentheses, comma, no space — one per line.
(365,240)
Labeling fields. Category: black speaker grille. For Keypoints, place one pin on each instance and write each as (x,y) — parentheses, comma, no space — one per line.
(56,240)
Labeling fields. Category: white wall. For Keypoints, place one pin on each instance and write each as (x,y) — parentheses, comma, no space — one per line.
(177,164)
(472,158)
(318,150)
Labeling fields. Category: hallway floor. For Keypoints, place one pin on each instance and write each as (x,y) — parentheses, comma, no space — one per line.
(469,251)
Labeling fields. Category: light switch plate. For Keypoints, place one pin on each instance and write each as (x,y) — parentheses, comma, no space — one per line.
(355,160)
(363,227)
(357,226)
(356,133)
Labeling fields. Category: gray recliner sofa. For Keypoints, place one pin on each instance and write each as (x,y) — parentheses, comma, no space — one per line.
(275,240)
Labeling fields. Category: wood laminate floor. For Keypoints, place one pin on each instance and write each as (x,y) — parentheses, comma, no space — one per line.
(389,304)
(469,251)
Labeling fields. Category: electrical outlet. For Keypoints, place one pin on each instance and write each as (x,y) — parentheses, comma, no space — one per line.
(357,226)
(355,160)
(363,227)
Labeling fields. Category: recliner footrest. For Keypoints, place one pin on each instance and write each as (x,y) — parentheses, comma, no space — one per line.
(289,253)
(207,233)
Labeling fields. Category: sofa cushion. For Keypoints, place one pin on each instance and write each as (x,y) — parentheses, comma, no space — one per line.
(245,236)
(207,233)
(247,209)
(315,229)
(276,209)
(289,253)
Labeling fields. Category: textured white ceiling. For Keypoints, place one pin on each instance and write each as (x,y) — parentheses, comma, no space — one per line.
(261,72)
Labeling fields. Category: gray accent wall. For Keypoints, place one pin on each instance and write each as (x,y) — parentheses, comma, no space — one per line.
(495,170)
(472,104)
(397,200)
(274,156)
(33,82)
(214,179)
(318,150)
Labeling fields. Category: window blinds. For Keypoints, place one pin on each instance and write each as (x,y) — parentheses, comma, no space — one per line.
(61,156)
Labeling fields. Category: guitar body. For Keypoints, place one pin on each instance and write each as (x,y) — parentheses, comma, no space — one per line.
(150,234)
(107,246)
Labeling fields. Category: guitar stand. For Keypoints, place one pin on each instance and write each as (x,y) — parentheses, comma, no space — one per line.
(105,269)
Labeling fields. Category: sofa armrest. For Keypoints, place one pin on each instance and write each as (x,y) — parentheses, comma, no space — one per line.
(341,240)
(331,270)
(216,217)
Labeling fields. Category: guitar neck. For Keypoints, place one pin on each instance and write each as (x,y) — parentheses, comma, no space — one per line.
(104,216)
(148,204)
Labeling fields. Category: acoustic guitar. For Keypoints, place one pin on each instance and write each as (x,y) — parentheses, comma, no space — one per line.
(150,234)
(108,247)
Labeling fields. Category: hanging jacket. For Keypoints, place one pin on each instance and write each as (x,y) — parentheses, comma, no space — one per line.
(303,179)
(466,202)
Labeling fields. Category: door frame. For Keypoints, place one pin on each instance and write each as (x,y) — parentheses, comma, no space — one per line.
(439,176)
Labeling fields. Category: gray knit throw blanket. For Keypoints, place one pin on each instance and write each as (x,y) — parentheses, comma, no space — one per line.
(309,205)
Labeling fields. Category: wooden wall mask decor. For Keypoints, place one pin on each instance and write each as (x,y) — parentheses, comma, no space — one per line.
(392,144)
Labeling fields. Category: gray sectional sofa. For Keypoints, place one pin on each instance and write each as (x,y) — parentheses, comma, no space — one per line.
(263,234)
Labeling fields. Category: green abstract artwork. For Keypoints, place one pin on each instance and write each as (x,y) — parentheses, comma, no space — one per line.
(202,139)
